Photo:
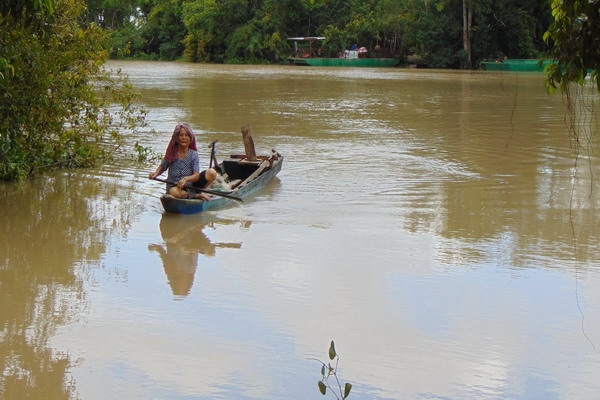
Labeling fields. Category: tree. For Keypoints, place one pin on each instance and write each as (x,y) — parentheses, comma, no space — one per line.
(434,31)
(57,99)
(512,29)
(163,30)
(207,24)
(447,33)
(574,39)
(467,9)
(110,14)
(26,10)
(394,17)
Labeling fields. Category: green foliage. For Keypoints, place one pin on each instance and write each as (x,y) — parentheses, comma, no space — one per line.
(336,39)
(574,37)
(110,14)
(163,30)
(244,31)
(327,371)
(332,353)
(508,29)
(145,154)
(252,43)
(60,108)
(435,34)
(27,10)
(125,42)
(203,43)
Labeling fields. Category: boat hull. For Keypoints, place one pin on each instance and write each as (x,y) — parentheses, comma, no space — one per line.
(345,62)
(193,206)
(514,65)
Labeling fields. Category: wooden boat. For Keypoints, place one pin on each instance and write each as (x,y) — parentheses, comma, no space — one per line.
(306,52)
(245,174)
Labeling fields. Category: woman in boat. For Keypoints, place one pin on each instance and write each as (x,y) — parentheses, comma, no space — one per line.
(183,165)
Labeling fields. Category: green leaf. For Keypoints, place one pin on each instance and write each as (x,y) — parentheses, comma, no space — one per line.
(546,36)
(322,388)
(347,389)
(332,352)
(323,369)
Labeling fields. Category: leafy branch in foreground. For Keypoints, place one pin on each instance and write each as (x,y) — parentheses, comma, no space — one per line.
(327,371)
(145,153)
(61,107)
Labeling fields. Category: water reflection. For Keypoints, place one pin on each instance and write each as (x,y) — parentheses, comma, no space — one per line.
(48,232)
(184,239)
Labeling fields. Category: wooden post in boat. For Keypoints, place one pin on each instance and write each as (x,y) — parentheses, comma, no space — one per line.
(248,143)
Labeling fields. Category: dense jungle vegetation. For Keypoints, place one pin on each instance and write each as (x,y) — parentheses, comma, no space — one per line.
(59,107)
(443,33)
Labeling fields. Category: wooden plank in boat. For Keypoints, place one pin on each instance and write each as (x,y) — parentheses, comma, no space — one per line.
(256,173)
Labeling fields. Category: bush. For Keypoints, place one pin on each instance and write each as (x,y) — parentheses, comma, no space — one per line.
(60,107)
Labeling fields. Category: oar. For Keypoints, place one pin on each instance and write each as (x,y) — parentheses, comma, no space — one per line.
(215,192)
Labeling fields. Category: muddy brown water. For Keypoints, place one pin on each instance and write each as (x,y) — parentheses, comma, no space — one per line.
(436,225)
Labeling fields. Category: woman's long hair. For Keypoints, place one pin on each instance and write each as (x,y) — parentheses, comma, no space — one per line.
(171,153)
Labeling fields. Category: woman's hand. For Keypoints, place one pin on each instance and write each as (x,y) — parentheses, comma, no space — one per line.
(181,183)
(156,173)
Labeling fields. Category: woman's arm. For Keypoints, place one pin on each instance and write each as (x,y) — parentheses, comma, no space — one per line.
(156,173)
(161,168)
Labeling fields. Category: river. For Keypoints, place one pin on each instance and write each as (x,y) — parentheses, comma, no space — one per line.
(438,226)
